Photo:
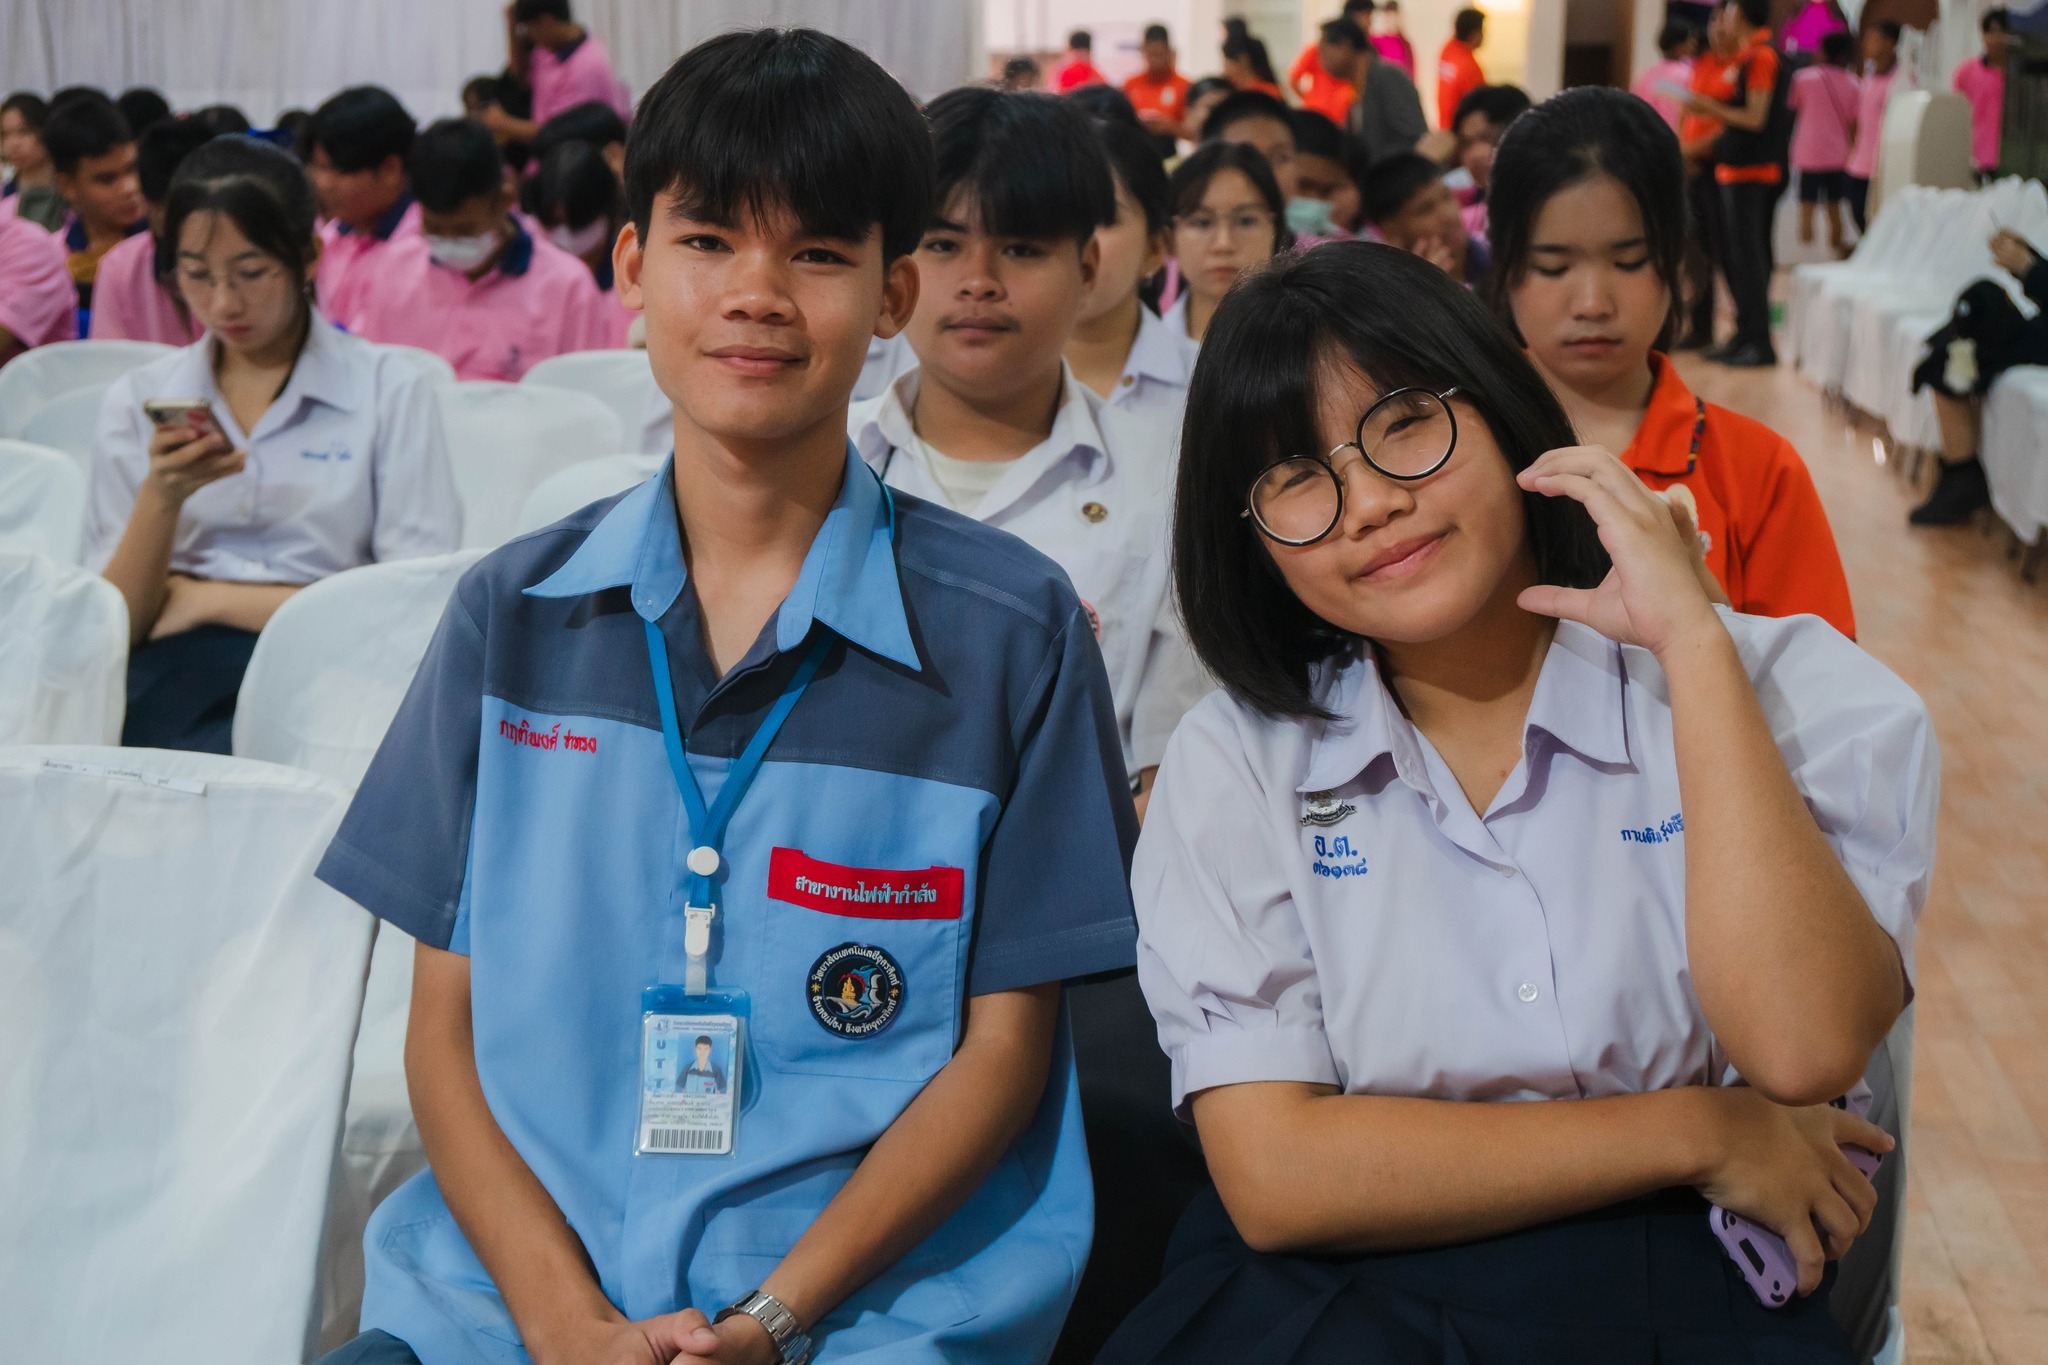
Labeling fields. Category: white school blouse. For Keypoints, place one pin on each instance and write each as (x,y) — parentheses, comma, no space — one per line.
(1320,903)
(1156,373)
(347,467)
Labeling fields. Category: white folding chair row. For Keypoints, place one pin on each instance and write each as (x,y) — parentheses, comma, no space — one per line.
(42,501)
(1827,329)
(620,379)
(504,439)
(63,653)
(436,369)
(2015,416)
(68,423)
(34,378)
(582,484)
(177,999)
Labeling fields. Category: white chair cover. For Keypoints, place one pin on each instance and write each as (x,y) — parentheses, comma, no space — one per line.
(42,501)
(580,485)
(63,654)
(68,423)
(177,1000)
(618,379)
(35,377)
(504,439)
(2015,415)
(434,367)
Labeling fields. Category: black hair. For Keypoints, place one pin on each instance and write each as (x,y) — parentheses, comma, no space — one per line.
(748,121)
(1018,67)
(162,148)
(142,106)
(82,126)
(362,126)
(1156,33)
(526,11)
(1241,105)
(1675,34)
(1081,40)
(1253,401)
(1344,33)
(1316,135)
(259,188)
(73,92)
(222,119)
(1998,18)
(482,89)
(1392,181)
(1031,164)
(1103,102)
(703,1040)
(1755,13)
(1468,24)
(1502,104)
(453,161)
(1834,47)
(1240,46)
(33,108)
(1207,86)
(1569,138)
(1190,181)
(295,132)
(575,178)
(592,121)
(1134,158)
(1890,28)
(1352,7)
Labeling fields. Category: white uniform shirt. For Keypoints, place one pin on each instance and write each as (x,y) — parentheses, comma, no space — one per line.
(1156,373)
(347,467)
(1320,903)
(1176,320)
(1094,497)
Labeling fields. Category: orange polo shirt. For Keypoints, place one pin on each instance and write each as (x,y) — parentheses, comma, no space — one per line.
(1167,97)
(1318,89)
(1770,544)
(1457,74)
(1756,66)
(1697,129)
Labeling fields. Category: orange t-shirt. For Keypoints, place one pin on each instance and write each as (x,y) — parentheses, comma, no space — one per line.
(1769,540)
(1693,129)
(1457,75)
(1756,66)
(1318,89)
(1167,98)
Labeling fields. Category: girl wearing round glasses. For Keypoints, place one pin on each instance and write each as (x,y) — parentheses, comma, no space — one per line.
(281,450)
(1496,805)
(1228,216)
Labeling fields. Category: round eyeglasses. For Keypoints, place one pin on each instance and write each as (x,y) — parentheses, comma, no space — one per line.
(1408,434)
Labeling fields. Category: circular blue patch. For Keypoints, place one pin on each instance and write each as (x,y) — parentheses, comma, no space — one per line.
(856,990)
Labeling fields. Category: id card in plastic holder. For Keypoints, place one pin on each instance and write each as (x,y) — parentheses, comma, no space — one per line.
(692,1050)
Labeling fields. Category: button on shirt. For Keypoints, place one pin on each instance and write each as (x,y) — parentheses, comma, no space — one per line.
(347,467)
(522,811)
(1094,496)
(1320,903)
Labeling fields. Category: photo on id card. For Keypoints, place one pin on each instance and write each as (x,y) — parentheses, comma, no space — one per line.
(689,1083)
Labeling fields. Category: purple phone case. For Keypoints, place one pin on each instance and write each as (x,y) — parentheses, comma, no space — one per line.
(1760,1254)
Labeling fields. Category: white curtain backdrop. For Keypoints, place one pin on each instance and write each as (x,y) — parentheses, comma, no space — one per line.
(270,55)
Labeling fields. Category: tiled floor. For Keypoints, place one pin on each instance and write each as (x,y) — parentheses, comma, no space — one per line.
(1947,611)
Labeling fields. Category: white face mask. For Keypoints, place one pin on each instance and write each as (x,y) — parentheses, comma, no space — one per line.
(581,241)
(462,253)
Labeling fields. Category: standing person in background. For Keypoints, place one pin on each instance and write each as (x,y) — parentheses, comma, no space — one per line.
(360,139)
(1880,70)
(1698,135)
(1079,67)
(1160,93)
(1388,39)
(93,153)
(1457,67)
(1245,63)
(1328,88)
(38,304)
(1823,100)
(1804,32)
(1663,82)
(136,295)
(1229,216)
(561,61)
(1386,117)
(1981,81)
(32,185)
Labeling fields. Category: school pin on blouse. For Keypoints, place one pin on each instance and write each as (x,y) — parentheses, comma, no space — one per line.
(1323,809)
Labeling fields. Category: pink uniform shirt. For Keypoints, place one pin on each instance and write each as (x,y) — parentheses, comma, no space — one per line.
(129,305)
(1871,94)
(1984,88)
(584,74)
(1823,100)
(537,302)
(38,301)
(1671,71)
(350,260)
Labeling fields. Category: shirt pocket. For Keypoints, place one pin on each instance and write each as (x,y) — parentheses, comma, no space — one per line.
(862,967)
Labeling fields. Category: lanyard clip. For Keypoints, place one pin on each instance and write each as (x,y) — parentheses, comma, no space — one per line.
(697,930)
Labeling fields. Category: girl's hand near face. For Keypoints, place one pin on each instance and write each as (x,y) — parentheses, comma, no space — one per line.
(1653,596)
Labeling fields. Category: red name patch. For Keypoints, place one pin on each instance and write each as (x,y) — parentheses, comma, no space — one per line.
(864,892)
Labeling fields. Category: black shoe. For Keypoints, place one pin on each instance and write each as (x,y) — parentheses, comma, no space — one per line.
(1958,493)
(1748,357)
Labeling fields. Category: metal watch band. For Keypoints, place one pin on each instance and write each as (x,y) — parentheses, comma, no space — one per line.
(782,1326)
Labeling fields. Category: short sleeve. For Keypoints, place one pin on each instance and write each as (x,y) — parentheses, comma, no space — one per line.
(1055,889)
(120,457)
(1223,956)
(416,508)
(1789,561)
(38,301)
(402,850)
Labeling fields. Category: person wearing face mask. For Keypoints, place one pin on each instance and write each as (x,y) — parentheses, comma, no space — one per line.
(1325,204)
(477,287)
(578,198)
(1261,121)
(311,451)
(1228,217)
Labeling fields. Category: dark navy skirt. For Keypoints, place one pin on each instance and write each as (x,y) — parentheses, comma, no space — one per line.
(182,689)
(1642,1283)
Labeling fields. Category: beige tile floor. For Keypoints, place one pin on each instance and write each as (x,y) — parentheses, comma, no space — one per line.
(1947,611)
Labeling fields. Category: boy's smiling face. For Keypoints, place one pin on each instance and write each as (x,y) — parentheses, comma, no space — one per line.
(757,329)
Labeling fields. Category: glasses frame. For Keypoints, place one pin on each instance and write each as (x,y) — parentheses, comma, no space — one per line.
(1251,509)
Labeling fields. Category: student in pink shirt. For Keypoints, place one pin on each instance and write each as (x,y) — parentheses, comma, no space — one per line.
(359,139)
(1880,69)
(1805,31)
(1389,41)
(476,287)
(1981,81)
(1823,100)
(133,298)
(1680,42)
(562,63)
(38,303)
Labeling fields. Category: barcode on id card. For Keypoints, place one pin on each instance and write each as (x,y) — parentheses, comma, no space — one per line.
(685,1140)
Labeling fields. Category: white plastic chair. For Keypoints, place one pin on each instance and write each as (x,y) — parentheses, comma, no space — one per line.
(177,999)
(68,423)
(434,367)
(35,377)
(504,439)
(63,653)
(2015,415)
(582,484)
(42,501)
(620,380)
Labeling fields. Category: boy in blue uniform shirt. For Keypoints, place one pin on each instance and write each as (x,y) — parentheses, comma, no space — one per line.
(906,720)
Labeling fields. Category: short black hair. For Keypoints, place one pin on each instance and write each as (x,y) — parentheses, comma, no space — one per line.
(222,119)
(294,132)
(1501,104)
(1081,40)
(1253,400)
(1207,86)
(1997,19)
(1675,34)
(1031,164)
(72,92)
(483,89)
(1316,135)
(592,121)
(525,11)
(748,121)
(1102,102)
(703,1040)
(360,127)
(1019,67)
(1392,181)
(1241,105)
(1468,23)
(1834,47)
(454,160)
(1190,181)
(1156,33)
(1755,13)
(1891,29)
(260,188)
(33,108)
(82,126)
(1344,33)
(1352,7)
(1569,138)
(575,178)
(1135,160)
(142,106)
(162,148)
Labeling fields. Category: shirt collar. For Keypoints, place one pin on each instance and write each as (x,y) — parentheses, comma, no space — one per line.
(1156,353)
(1075,430)
(323,373)
(1667,443)
(848,580)
(75,239)
(387,222)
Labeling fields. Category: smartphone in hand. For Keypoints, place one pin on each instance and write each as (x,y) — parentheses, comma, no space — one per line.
(195,415)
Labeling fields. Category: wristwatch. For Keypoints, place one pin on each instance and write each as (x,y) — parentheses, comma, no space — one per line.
(782,1326)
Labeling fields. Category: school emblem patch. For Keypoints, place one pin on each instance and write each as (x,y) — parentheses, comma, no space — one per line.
(1323,809)
(856,990)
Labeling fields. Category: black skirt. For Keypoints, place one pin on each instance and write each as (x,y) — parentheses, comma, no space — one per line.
(182,689)
(1642,1283)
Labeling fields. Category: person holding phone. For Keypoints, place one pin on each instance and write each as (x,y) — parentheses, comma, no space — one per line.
(273,451)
